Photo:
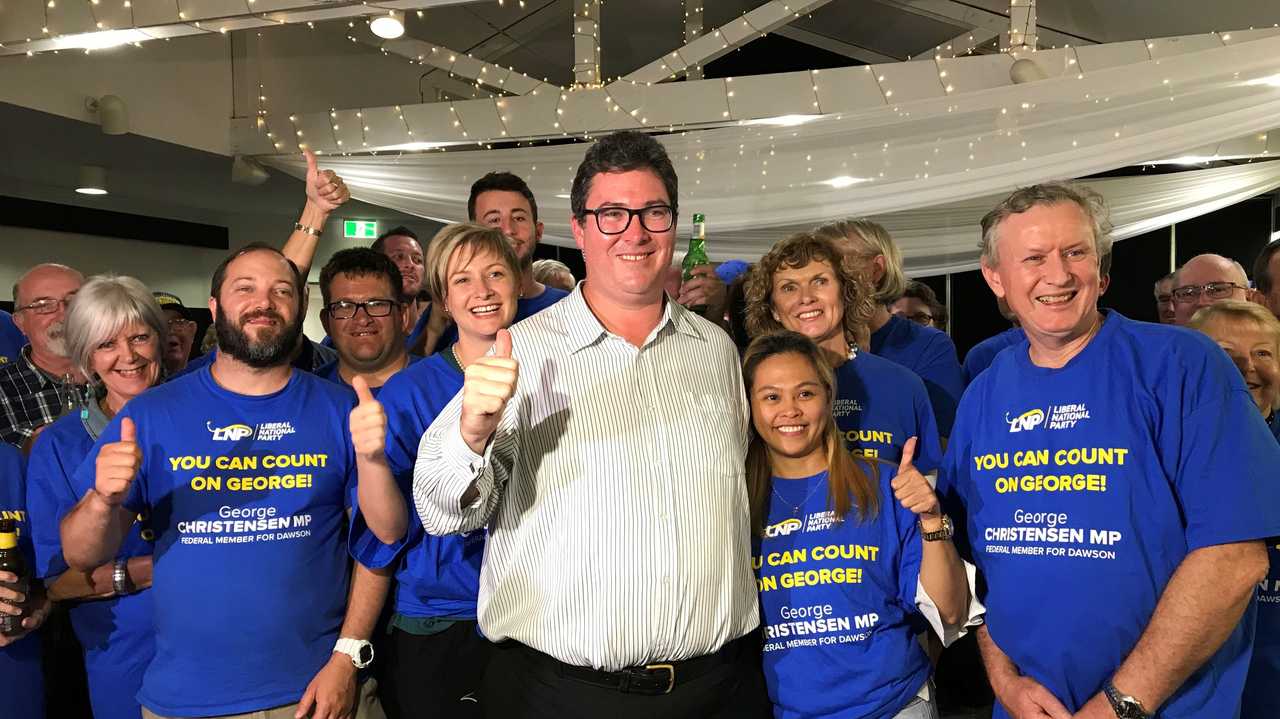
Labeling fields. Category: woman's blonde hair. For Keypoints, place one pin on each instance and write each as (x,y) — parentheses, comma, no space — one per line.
(475,240)
(867,240)
(1238,311)
(795,252)
(849,484)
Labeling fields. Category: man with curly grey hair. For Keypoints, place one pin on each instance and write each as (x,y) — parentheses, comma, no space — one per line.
(1117,520)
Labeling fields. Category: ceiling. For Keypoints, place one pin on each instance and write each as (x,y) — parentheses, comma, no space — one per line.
(43,151)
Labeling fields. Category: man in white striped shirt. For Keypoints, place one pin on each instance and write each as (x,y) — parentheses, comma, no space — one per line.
(603,444)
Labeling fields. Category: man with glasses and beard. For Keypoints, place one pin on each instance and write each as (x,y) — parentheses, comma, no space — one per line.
(248,478)
(40,384)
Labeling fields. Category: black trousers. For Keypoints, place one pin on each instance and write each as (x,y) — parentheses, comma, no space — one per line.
(436,676)
(519,685)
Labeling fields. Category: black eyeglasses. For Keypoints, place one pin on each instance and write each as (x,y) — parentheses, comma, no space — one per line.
(1215,290)
(46,306)
(616,220)
(343,310)
(921,318)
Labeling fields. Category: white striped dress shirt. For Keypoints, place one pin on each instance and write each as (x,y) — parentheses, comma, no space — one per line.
(613,490)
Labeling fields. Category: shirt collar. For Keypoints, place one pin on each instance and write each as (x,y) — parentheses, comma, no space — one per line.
(584,329)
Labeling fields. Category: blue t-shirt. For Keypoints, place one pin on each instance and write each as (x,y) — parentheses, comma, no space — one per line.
(930,354)
(11,338)
(435,576)
(1079,490)
(117,634)
(981,355)
(248,499)
(525,307)
(21,679)
(837,603)
(880,405)
(1261,700)
(330,372)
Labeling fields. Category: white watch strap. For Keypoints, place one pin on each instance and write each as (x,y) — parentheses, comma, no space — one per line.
(353,648)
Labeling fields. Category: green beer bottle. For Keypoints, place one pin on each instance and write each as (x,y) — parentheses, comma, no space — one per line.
(697,254)
(11,561)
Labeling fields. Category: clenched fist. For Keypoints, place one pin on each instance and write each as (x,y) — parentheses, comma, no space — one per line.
(117,465)
(368,422)
(912,489)
(325,189)
(489,383)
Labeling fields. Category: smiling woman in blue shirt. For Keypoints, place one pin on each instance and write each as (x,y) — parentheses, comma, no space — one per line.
(849,552)
(806,284)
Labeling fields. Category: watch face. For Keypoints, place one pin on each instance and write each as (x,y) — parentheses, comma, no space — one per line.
(1129,709)
(366,653)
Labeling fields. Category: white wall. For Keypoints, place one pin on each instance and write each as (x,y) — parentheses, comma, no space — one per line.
(178,91)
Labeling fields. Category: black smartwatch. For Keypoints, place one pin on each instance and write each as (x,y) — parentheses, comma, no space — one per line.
(1125,706)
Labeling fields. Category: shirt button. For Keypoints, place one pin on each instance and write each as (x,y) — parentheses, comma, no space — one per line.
(666,580)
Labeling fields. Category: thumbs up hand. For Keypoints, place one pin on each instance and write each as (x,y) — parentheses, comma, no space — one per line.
(325,189)
(368,422)
(489,383)
(912,489)
(117,465)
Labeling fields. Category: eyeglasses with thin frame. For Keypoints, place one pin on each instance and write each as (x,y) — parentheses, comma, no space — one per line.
(616,220)
(1187,294)
(921,318)
(46,306)
(343,310)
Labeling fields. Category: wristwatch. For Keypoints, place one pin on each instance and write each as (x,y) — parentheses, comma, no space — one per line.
(360,651)
(1125,706)
(120,583)
(947,531)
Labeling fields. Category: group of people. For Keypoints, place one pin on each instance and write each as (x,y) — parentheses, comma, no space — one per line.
(493,491)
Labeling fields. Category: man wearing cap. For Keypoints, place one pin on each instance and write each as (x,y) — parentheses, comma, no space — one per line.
(182,332)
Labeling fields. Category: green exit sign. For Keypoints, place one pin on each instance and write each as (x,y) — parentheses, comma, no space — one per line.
(360,229)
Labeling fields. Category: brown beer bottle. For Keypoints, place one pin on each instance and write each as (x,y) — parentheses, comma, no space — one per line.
(11,560)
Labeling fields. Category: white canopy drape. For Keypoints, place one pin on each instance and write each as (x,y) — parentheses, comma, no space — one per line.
(927,168)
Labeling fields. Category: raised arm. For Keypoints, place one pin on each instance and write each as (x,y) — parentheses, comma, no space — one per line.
(1202,603)
(941,572)
(380,499)
(325,193)
(462,467)
(94,529)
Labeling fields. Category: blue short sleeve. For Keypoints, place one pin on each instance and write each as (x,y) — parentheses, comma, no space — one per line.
(49,497)
(1226,470)
(928,444)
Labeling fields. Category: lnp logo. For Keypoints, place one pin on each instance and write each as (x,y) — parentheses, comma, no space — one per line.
(230,433)
(783,528)
(1026,421)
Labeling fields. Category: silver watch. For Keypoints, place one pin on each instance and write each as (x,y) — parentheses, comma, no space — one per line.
(120,583)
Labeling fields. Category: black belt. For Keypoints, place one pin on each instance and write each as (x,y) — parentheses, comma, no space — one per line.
(651,679)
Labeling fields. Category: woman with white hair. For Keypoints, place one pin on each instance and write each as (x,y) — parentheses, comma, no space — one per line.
(928,352)
(1250,335)
(115,335)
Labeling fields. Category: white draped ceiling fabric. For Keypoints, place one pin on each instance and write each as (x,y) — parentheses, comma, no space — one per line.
(928,168)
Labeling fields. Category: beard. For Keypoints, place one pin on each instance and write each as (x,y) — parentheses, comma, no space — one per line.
(55,338)
(272,350)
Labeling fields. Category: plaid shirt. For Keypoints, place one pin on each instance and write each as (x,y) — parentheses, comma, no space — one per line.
(30,398)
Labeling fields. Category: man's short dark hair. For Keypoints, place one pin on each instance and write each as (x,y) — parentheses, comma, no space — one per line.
(501,182)
(360,262)
(400,231)
(220,273)
(1262,278)
(623,152)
